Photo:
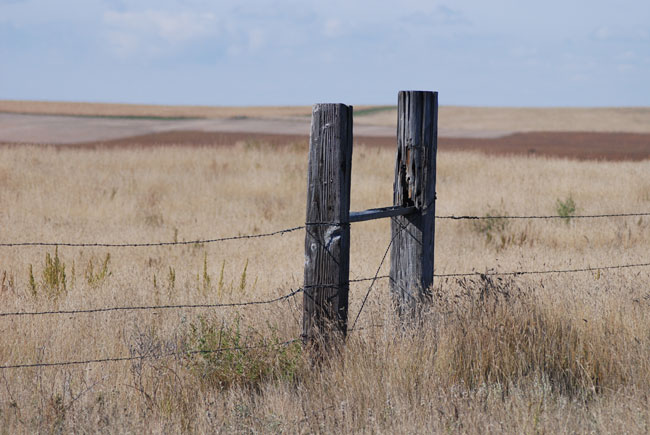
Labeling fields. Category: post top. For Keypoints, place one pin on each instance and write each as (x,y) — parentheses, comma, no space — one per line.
(418,92)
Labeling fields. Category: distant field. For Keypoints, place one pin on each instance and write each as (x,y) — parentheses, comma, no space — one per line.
(526,119)
(149,111)
(506,119)
(601,134)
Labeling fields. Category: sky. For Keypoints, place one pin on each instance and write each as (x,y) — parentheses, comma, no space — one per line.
(235,52)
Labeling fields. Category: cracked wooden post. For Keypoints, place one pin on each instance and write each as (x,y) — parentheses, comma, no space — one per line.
(411,269)
(327,240)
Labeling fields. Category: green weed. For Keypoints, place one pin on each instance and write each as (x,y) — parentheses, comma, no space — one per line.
(242,281)
(171,280)
(497,230)
(220,285)
(221,355)
(566,208)
(491,226)
(53,281)
(96,277)
(32,281)
(206,276)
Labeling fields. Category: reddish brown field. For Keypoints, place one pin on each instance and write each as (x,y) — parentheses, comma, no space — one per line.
(572,145)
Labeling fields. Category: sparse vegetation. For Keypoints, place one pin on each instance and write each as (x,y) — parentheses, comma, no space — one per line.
(493,226)
(247,360)
(498,230)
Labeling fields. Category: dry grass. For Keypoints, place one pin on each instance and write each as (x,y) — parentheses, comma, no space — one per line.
(550,353)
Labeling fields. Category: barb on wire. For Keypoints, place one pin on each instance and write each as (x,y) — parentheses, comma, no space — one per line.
(149,244)
(374,278)
(324,223)
(140,357)
(153,307)
(539,272)
(592,216)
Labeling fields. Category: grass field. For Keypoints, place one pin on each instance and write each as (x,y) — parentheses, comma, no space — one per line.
(557,353)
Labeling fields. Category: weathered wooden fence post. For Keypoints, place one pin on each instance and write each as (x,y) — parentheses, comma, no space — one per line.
(327,240)
(411,268)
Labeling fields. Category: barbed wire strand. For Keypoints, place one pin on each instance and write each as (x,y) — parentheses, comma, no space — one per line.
(141,357)
(289,230)
(150,244)
(176,306)
(152,307)
(592,216)
(540,272)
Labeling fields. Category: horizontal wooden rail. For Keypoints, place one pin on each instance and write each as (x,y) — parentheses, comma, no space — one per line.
(378,213)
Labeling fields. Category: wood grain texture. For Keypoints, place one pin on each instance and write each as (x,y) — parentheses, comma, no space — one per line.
(380,213)
(327,240)
(415,185)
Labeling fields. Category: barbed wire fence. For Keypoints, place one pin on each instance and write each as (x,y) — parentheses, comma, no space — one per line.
(291,294)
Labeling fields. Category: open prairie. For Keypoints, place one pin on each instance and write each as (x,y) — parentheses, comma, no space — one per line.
(554,353)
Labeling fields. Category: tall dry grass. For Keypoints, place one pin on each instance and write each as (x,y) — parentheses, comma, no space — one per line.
(534,353)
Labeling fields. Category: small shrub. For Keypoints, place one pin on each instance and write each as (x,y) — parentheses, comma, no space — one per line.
(54,278)
(221,355)
(498,230)
(54,273)
(492,226)
(566,208)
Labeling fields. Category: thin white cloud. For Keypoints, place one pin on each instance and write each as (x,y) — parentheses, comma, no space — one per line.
(153,32)
(620,33)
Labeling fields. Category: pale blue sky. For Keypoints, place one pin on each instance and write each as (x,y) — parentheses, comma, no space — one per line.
(474,52)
